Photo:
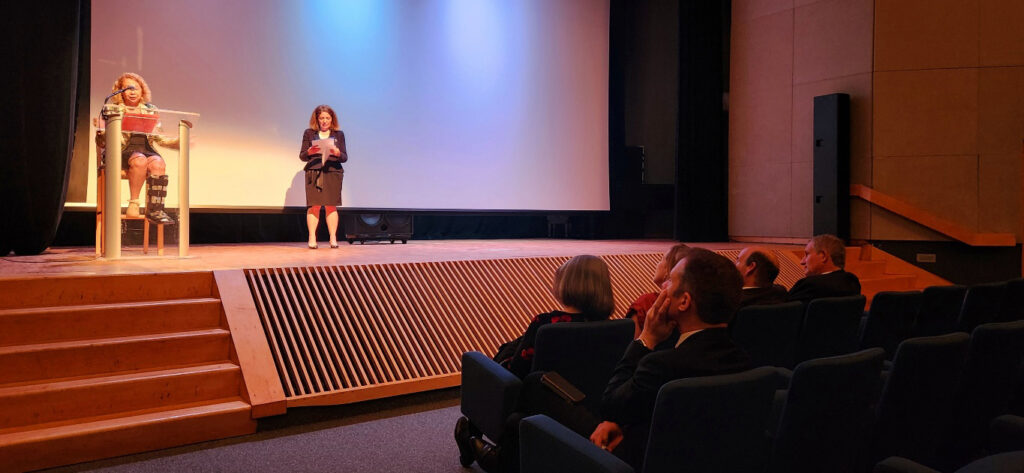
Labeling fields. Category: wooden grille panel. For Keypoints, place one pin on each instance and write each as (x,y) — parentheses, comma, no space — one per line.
(333,329)
(347,333)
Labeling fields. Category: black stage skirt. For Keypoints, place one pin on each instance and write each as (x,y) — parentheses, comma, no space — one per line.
(329,191)
(137,143)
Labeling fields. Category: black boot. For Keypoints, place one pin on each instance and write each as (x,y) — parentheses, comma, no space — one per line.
(156,192)
(464,433)
(488,455)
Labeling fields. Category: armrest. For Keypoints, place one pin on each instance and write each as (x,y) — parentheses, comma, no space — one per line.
(782,377)
(1006,433)
(901,465)
(545,446)
(490,393)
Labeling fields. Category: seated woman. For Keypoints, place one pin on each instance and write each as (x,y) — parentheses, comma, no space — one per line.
(638,310)
(139,159)
(583,287)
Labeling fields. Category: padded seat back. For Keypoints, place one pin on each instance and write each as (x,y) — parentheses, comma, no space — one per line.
(940,307)
(769,333)
(890,320)
(831,327)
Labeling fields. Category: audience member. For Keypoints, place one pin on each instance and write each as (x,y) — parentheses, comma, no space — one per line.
(638,310)
(702,296)
(823,262)
(583,287)
(759,267)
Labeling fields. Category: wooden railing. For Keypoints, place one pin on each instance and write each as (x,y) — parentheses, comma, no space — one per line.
(953,230)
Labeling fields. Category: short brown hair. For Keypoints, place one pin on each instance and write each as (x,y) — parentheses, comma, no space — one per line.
(832,246)
(676,254)
(714,283)
(585,283)
(316,114)
(766,271)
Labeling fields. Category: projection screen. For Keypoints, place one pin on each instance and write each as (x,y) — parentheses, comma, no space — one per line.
(445,104)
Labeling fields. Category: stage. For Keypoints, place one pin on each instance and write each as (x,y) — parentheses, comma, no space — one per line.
(110,355)
(83,260)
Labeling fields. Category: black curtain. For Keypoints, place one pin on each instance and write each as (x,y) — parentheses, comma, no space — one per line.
(702,170)
(46,54)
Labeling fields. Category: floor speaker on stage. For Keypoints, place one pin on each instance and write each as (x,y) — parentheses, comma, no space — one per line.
(368,227)
(832,165)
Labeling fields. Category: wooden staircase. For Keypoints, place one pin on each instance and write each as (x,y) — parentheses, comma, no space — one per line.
(880,271)
(95,367)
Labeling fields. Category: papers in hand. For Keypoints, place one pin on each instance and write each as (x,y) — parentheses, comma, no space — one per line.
(325,146)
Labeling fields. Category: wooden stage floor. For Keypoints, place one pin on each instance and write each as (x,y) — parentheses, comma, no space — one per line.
(83,261)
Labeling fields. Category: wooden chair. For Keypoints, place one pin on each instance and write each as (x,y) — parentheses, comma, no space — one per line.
(100,198)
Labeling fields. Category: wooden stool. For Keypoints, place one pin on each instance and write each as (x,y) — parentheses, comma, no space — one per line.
(100,198)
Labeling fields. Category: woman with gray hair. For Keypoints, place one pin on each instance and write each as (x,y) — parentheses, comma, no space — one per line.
(583,287)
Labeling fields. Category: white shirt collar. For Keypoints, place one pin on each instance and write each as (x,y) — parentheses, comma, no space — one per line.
(684,336)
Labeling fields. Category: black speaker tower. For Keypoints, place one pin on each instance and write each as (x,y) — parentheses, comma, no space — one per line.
(832,165)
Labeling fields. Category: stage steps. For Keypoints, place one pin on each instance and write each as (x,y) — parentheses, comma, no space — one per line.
(880,271)
(99,366)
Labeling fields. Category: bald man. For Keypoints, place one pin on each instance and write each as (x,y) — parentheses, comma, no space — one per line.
(759,268)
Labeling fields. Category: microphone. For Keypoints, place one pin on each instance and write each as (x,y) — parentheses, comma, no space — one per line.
(130,87)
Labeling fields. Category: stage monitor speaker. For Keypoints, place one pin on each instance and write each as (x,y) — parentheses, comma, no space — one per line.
(368,227)
(832,165)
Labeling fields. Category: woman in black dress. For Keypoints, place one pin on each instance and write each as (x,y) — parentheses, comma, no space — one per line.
(323,171)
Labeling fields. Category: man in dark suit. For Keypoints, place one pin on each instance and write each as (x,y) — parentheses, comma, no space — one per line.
(823,262)
(703,295)
(759,268)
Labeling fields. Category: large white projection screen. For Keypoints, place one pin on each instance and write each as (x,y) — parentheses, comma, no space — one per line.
(445,104)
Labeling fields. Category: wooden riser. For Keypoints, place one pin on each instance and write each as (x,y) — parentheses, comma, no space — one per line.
(887,283)
(866,269)
(49,291)
(80,358)
(56,445)
(54,401)
(52,324)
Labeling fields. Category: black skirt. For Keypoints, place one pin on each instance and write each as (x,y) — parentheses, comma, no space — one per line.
(329,192)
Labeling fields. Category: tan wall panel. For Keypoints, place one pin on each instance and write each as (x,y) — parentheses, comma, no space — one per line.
(946,186)
(860,219)
(925,34)
(761,54)
(802,200)
(759,199)
(746,10)
(1000,109)
(926,113)
(999,193)
(831,39)
(760,128)
(886,225)
(761,77)
(1001,32)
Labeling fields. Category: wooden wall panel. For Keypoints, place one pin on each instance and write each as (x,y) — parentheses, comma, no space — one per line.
(746,10)
(832,38)
(926,113)
(946,186)
(759,199)
(1001,41)
(999,193)
(925,34)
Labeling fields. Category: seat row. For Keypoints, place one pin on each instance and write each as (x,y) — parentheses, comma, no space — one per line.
(932,409)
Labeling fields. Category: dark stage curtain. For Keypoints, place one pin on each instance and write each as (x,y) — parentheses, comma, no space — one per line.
(702,166)
(46,56)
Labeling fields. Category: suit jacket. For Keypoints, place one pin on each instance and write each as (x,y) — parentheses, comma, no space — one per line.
(314,161)
(631,392)
(774,294)
(835,284)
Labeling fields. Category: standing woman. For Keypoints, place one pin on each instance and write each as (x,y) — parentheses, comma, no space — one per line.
(323,171)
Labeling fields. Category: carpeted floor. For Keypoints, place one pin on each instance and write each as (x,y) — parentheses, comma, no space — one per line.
(408,434)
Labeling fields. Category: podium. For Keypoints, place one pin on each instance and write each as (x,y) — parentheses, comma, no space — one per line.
(145,121)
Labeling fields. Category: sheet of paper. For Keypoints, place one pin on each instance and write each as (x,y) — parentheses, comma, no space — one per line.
(325,147)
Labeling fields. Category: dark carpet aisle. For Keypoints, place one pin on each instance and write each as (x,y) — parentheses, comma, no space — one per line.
(408,434)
